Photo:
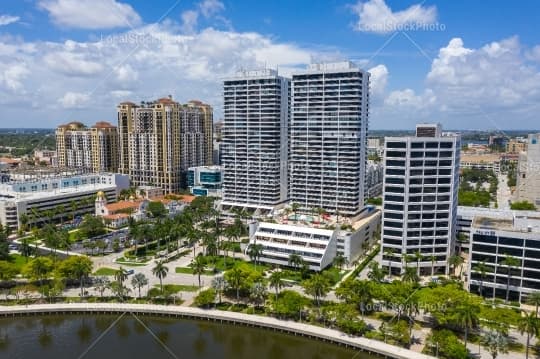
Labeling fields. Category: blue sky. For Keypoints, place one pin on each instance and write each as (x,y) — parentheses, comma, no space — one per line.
(467,63)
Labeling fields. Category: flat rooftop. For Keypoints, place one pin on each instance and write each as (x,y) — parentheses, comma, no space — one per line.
(6,194)
(516,224)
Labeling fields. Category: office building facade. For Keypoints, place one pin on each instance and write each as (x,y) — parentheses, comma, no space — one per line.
(420,200)
(508,246)
(205,180)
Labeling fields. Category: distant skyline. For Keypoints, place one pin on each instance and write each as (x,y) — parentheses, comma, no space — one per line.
(466,64)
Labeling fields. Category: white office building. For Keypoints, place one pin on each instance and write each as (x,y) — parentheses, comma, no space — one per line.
(55,197)
(420,199)
(205,180)
(254,146)
(317,247)
(508,244)
(328,135)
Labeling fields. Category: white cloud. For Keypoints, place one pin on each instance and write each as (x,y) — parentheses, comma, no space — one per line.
(377,17)
(72,64)
(211,7)
(494,86)
(12,75)
(189,21)
(8,19)
(121,94)
(378,79)
(72,100)
(91,14)
(125,73)
(534,54)
(99,74)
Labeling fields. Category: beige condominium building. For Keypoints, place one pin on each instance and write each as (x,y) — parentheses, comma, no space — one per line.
(94,148)
(160,140)
(528,176)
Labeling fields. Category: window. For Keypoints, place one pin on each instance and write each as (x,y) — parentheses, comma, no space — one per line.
(395,154)
(516,242)
(396,145)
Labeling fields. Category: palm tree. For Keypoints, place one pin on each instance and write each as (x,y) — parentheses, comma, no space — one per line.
(138,281)
(495,343)
(389,252)
(511,263)
(407,258)
(482,268)
(363,291)
(258,293)
(160,271)
(193,236)
(317,286)
(410,275)
(534,299)
(120,275)
(295,260)
(455,261)
(81,267)
(340,261)
(467,317)
(418,256)
(433,259)
(276,281)
(376,273)
(295,207)
(235,279)
(23,218)
(255,252)
(73,206)
(219,284)
(528,324)
(198,265)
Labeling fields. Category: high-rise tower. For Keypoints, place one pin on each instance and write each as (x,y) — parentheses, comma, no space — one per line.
(328,134)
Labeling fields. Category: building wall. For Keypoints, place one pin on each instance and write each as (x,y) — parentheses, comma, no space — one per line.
(159,140)
(317,247)
(56,199)
(254,146)
(328,135)
(94,148)
(420,200)
(528,173)
(491,247)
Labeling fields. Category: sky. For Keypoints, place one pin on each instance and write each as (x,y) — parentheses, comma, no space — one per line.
(468,64)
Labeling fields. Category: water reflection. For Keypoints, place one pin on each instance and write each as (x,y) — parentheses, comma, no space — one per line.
(64,337)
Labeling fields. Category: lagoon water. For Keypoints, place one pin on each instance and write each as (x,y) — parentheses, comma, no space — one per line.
(129,337)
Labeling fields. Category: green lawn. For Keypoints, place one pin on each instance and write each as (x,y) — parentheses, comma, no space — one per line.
(175,288)
(223,265)
(18,260)
(189,270)
(105,271)
(75,236)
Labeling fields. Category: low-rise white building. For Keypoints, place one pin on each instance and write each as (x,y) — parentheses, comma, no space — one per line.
(205,180)
(55,197)
(317,247)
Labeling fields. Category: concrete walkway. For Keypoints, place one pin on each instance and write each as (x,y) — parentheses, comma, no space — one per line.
(334,336)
